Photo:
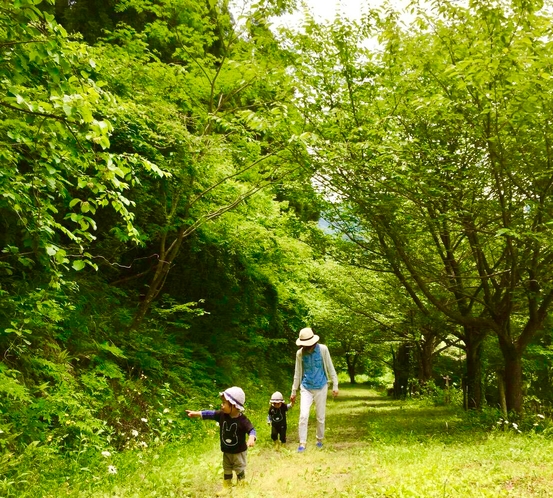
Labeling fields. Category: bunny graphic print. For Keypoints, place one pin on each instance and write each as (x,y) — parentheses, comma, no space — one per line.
(277,416)
(229,433)
(277,419)
(233,431)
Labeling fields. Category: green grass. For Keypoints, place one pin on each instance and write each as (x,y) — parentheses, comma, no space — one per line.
(374,447)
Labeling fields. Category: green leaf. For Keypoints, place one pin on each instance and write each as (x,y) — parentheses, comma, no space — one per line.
(78,264)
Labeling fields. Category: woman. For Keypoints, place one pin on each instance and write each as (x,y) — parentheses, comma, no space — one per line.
(313,371)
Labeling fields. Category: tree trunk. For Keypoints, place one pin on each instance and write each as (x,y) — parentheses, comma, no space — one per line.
(473,342)
(513,383)
(501,391)
(166,258)
(426,357)
(401,371)
(156,284)
(351,360)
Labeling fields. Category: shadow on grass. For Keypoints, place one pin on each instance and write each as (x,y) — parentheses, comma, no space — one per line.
(360,415)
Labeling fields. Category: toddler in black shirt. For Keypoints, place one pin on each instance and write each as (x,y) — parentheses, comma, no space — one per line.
(277,417)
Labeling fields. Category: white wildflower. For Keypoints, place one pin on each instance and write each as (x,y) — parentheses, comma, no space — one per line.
(515,425)
(143,444)
(134,432)
(112,469)
(166,410)
(145,420)
(106,454)
(540,415)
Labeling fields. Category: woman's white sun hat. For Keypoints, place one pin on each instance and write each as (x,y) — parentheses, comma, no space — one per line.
(307,337)
(235,396)
(277,397)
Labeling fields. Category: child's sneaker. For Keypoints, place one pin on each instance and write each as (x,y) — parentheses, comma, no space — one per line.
(319,444)
(301,448)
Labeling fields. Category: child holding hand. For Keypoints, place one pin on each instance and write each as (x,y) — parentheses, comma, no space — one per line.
(277,417)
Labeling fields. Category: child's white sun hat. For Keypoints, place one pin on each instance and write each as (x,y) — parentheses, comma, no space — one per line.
(235,396)
(277,397)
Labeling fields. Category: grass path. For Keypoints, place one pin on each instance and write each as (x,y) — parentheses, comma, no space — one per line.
(374,447)
(377,447)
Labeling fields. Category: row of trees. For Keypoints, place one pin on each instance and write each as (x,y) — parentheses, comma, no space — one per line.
(433,143)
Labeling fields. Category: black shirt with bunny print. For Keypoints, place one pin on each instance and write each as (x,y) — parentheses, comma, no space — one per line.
(277,416)
(233,431)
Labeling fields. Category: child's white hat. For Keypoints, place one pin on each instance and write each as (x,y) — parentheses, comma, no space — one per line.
(235,396)
(277,398)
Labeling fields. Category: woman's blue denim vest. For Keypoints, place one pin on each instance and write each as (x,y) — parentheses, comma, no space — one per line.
(314,376)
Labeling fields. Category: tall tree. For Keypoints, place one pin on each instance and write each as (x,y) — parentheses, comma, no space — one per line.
(430,143)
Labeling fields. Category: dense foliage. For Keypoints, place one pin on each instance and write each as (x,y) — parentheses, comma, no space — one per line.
(119,301)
